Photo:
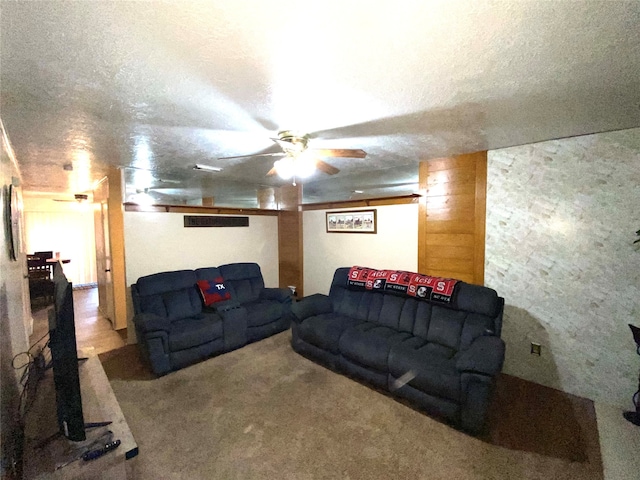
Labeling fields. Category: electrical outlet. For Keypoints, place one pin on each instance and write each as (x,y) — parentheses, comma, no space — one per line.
(536,349)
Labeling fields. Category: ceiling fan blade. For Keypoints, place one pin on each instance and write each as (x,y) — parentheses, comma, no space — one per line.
(281,143)
(326,168)
(272,171)
(339,152)
(277,154)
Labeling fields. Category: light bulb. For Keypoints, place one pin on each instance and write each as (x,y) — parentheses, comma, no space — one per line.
(142,198)
(285,168)
(304,167)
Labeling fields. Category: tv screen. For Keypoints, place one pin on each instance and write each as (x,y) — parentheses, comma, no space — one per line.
(64,359)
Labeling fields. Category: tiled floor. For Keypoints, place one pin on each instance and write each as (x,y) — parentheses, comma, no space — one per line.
(619,440)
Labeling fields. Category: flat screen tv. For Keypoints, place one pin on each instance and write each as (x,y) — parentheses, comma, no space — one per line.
(64,359)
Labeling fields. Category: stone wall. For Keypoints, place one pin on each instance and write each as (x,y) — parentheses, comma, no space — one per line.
(561,221)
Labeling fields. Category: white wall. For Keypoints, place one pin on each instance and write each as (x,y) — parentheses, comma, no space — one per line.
(158,242)
(65,227)
(561,221)
(14,289)
(395,246)
(15,316)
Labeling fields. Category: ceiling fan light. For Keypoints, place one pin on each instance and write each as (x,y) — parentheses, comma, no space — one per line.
(304,167)
(142,198)
(285,168)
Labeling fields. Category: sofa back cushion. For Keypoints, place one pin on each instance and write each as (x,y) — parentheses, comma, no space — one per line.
(208,273)
(244,281)
(171,295)
(474,311)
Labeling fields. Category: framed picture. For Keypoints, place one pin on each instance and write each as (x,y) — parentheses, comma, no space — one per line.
(352,221)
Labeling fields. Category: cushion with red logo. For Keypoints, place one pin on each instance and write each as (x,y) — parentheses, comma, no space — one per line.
(213,291)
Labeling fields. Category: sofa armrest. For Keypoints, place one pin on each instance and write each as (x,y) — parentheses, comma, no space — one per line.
(282,295)
(150,322)
(485,355)
(310,306)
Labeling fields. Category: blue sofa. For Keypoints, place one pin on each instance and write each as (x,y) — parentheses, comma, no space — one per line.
(442,358)
(174,327)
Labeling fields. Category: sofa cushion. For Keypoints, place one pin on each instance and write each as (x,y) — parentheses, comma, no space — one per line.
(431,365)
(182,303)
(262,312)
(207,273)
(244,280)
(191,332)
(369,343)
(165,282)
(152,304)
(389,311)
(172,295)
(444,326)
(324,330)
(174,304)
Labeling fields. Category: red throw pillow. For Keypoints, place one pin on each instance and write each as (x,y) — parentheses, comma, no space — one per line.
(213,291)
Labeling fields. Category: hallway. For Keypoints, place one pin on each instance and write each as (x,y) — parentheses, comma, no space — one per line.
(93,330)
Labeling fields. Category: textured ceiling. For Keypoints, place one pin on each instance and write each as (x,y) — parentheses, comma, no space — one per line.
(161,86)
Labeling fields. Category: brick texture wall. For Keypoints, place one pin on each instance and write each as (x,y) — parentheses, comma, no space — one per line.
(561,221)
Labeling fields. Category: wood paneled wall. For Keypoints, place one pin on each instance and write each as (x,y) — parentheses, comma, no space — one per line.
(290,237)
(116,246)
(366,202)
(451,227)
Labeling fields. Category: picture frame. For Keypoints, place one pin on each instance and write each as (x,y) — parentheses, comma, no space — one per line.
(352,221)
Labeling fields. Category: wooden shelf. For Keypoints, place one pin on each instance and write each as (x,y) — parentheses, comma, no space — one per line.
(98,404)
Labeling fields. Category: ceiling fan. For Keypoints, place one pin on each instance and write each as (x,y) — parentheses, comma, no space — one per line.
(77,197)
(298,159)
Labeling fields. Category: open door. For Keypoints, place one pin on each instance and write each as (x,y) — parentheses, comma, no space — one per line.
(103,251)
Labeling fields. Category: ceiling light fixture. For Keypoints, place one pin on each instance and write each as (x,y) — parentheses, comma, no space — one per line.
(142,197)
(294,166)
(207,168)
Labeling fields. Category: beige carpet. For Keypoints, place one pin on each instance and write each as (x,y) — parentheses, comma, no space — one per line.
(266,412)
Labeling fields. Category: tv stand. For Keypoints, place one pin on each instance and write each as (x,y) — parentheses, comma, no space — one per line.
(45,448)
(57,434)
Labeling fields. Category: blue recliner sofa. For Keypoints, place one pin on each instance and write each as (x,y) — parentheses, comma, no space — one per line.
(442,358)
(175,328)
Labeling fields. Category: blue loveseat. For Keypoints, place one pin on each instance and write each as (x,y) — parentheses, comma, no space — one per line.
(443,358)
(174,327)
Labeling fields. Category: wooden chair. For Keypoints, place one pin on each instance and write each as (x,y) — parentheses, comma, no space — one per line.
(40,272)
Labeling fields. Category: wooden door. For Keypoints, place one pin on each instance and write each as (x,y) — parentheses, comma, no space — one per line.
(452,217)
(103,251)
